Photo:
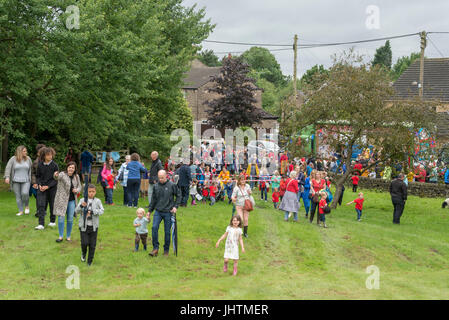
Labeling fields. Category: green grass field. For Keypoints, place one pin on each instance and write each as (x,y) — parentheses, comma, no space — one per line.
(282,260)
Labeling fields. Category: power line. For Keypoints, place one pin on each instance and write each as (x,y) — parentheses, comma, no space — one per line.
(312,45)
(434,45)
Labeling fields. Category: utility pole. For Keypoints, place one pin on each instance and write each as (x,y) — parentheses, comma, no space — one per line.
(421,68)
(295,49)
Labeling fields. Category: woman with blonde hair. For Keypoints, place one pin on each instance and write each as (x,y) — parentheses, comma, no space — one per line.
(242,191)
(18,176)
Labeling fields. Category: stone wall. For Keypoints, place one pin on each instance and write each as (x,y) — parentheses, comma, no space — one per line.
(427,190)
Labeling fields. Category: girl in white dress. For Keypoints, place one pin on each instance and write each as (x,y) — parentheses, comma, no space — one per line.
(233,236)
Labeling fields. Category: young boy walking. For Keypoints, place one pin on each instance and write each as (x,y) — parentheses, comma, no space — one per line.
(358,205)
(89,223)
(141,223)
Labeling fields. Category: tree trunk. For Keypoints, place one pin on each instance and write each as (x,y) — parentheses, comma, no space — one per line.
(343,177)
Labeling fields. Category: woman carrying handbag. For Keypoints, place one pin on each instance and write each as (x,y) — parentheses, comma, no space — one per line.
(244,202)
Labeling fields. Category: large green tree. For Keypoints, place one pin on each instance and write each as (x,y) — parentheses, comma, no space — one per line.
(383,56)
(262,61)
(107,84)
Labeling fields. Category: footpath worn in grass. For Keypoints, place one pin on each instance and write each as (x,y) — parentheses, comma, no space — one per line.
(282,260)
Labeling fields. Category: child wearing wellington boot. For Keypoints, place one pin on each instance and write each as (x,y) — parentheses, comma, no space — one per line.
(233,236)
(140,223)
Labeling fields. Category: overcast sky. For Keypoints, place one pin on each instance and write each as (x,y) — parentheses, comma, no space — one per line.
(324,21)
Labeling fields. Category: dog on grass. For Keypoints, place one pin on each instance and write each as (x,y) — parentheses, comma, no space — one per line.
(445,203)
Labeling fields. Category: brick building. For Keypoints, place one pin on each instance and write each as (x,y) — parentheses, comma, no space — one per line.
(196,91)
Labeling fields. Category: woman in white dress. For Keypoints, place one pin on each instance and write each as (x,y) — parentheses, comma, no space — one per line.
(233,236)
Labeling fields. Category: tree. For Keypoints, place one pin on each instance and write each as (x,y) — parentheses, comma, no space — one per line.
(209,58)
(236,105)
(354,108)
(262,61)
(310,76)
(383,56)
(402,64)
(106,84)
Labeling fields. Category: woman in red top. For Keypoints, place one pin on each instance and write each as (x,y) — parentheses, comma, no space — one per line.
(317,183)
(290,201)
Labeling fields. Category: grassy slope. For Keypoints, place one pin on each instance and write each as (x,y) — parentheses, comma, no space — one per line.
(283,260)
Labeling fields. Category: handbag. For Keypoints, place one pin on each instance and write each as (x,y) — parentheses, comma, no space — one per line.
(327,209)
(248,203)
(198,197)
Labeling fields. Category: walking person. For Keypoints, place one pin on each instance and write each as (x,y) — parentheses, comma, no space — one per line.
(233,237)
(47,186)
(90,223)
(290,201)
(164,203)
(253,172)
(242,191)
(87,159)
(140,223)
(185,178)
(355,182)
(358,205)
(18,175)
(108,168)
(69,185)
(305,196)
(134,168)
(398,192)
(122,177)
(156,166)
(317,183)
(34,186)
(264,184)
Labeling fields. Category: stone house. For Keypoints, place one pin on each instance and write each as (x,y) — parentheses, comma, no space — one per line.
(196,91)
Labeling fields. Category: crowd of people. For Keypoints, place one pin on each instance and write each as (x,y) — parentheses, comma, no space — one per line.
(206,181)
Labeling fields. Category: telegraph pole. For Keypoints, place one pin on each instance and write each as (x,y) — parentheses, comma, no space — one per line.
(295,49)
(421,68)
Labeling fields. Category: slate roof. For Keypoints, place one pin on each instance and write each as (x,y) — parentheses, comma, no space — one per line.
(199,76)
(436,86)
(436,80)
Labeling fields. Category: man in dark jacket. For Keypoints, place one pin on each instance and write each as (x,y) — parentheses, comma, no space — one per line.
(398,192)
(164,204)
(185,178)
(156,166)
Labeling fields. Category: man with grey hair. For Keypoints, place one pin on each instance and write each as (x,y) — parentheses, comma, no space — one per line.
(164,204)
(398,192)
(156,165)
